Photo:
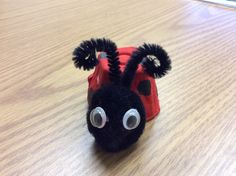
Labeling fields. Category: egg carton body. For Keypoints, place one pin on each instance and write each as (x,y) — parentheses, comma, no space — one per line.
(143,84)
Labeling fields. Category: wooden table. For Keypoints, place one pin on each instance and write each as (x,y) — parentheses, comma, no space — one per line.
(43,97)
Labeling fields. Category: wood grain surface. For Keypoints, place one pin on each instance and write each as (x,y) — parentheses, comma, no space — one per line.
(43,97)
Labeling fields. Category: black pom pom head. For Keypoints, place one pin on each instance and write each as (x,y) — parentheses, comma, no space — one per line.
(116,117)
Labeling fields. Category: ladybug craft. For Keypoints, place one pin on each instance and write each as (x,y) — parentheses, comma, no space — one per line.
(122,93)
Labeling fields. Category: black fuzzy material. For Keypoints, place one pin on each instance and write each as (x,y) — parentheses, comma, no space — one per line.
(143,54)
(85,57)
(116,100)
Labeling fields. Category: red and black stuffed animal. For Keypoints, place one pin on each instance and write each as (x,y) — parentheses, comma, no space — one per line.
(122,93)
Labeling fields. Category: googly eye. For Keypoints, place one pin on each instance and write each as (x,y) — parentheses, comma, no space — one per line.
(98,117)
(131,119)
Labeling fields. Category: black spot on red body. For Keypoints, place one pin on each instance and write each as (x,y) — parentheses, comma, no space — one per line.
(144,87)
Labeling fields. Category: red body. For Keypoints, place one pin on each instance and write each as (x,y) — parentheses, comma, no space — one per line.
(100,77)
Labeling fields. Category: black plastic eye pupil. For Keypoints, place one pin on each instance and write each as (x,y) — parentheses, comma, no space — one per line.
(131,122)
(98,119)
